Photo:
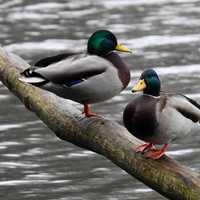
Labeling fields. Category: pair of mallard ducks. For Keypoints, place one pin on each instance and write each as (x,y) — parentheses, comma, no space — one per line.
(101,74)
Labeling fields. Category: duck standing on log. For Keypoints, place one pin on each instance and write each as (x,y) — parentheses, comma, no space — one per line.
(86,78)
(158,118)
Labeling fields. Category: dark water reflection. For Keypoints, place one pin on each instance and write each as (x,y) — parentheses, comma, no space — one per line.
(165,34)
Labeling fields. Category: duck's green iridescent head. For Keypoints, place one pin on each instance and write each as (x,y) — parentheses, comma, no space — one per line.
(149,83)
(103,42)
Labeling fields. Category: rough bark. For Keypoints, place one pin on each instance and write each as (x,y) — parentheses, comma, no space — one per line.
(105,137)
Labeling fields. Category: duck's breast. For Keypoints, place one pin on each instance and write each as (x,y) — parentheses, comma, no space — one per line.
(140,117)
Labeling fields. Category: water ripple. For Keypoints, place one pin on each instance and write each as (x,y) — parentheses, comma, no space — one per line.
(158,40)
(81,154)
(183,152)
(12,165)
(50,6)
(9,4)
(170,70)
(125,3)
(21,182)
(5,127)
(53,44)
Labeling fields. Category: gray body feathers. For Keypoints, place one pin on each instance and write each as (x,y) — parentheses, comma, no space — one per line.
(98,79)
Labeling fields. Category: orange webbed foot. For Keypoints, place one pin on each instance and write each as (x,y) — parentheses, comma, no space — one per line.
(88,113)
(144,147)
(156,153)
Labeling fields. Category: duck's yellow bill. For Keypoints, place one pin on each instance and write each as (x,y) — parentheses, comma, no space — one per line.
(122,48)
(140,86)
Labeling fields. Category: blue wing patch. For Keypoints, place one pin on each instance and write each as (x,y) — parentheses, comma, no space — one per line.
(71,83)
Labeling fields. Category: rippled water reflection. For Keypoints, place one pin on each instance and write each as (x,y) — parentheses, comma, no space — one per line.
(164,34)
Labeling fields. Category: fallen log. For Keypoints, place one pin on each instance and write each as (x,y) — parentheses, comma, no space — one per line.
(100,135)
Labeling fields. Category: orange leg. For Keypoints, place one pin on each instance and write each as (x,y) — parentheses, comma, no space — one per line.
(87,111)
(157,153)
(142,148)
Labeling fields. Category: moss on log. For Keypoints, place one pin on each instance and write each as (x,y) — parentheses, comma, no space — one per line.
(105,137)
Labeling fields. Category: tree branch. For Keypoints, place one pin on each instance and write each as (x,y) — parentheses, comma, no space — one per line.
(105,137)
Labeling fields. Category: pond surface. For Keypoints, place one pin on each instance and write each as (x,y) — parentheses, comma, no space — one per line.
(164,34)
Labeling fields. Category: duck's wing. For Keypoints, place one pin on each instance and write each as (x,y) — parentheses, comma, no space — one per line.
(186,106)
(71,69)
(53,59)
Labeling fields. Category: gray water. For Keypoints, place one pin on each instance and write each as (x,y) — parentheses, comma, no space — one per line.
(164,34)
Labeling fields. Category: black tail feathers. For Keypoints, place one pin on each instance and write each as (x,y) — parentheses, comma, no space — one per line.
(30,72)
